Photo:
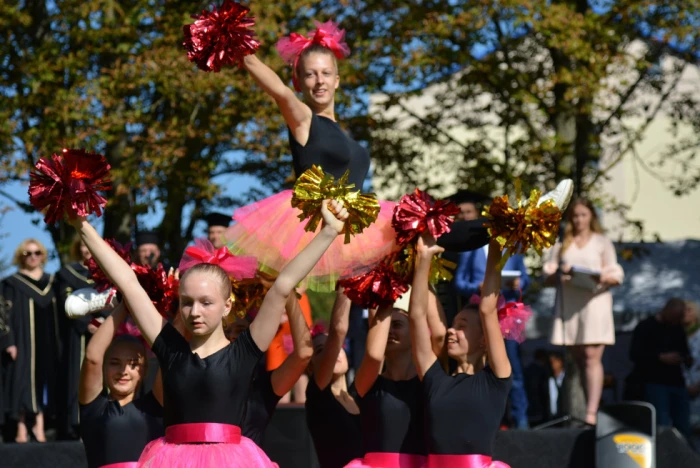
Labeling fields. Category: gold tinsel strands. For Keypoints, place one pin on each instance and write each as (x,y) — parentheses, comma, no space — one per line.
(522,227)
(405,260)
(314,186)
(246,295)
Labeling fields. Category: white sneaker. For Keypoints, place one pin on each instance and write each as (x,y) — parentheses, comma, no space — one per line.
(87,300)
(561,195)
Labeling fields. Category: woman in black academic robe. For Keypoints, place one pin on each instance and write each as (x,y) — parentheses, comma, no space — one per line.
(32,346)
(75,334)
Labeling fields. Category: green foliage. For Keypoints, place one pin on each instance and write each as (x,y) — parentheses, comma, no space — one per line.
(111,76)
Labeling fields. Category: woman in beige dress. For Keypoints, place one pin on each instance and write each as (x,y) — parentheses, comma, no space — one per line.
(587,313)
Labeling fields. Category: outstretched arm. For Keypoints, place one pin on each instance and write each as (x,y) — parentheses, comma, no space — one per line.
(265,325)
(495,346)
(285,376)
(423,355)
(91,383)
(147,318)
(295,113)
(374,354)
(323,375)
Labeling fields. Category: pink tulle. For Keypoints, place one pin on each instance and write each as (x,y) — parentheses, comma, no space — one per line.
(238,268)
(512,317)
(161,454)
(270,231)
(287,344)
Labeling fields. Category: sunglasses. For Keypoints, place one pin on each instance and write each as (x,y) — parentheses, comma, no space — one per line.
(36,253)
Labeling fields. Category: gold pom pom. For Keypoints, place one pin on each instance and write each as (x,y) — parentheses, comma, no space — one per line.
(524,226)
(314,186)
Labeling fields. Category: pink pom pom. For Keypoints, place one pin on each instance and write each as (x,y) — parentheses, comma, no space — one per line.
(513,318)
(238,268)
(220,37)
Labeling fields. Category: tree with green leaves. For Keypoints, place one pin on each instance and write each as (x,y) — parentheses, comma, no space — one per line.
(545,89)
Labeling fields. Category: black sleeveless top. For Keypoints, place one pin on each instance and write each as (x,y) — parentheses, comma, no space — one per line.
(392,417)
(463,412)
(332,149)
(213,389)
(262,402)
(113,433)
(335,432)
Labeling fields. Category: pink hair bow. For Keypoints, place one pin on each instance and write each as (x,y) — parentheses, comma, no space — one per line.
(238,268)
(512,317)
(319,328)
(328,35)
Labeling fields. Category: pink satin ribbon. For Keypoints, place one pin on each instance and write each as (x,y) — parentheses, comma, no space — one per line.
(194,433)
(463,461)
(394,460)
(121,465)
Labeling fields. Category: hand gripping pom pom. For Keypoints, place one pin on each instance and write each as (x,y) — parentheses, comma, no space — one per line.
(381,286)
(527,225)
(220,37)
(404,263)
(68,184)
(419,212)
(314,186)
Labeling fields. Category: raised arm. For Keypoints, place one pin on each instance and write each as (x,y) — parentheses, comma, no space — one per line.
(437,322)
(285,376)
(423,354)
(377,337)
(265,325)
(295,113)
(91,381)
(488,309)
(147,318)
(340,316)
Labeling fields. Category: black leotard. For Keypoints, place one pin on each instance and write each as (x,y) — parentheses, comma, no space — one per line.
(262,402)
(392,417)
(213,389)
(463,412)
(335,432)
(113,433)
(331,148)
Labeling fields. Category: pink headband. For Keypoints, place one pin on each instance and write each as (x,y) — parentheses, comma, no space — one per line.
(238,268)
(327,35)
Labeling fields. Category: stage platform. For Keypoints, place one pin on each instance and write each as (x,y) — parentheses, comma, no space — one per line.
(288,443)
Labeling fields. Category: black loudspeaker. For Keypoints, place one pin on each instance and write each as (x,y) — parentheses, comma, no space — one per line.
(626,436)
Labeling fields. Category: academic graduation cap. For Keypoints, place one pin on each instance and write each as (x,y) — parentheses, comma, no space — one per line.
(217,219)
(469,196)
(147,237)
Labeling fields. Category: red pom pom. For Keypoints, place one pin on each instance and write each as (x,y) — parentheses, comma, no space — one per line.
(379,287)
(220,37)
(102,283)
(68,183)
(418,212)
(161,289)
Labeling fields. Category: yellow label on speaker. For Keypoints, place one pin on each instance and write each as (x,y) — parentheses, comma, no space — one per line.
(638,448)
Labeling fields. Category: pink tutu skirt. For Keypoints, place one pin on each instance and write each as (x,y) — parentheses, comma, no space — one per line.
(204,451)
(388,460)
(271,231)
